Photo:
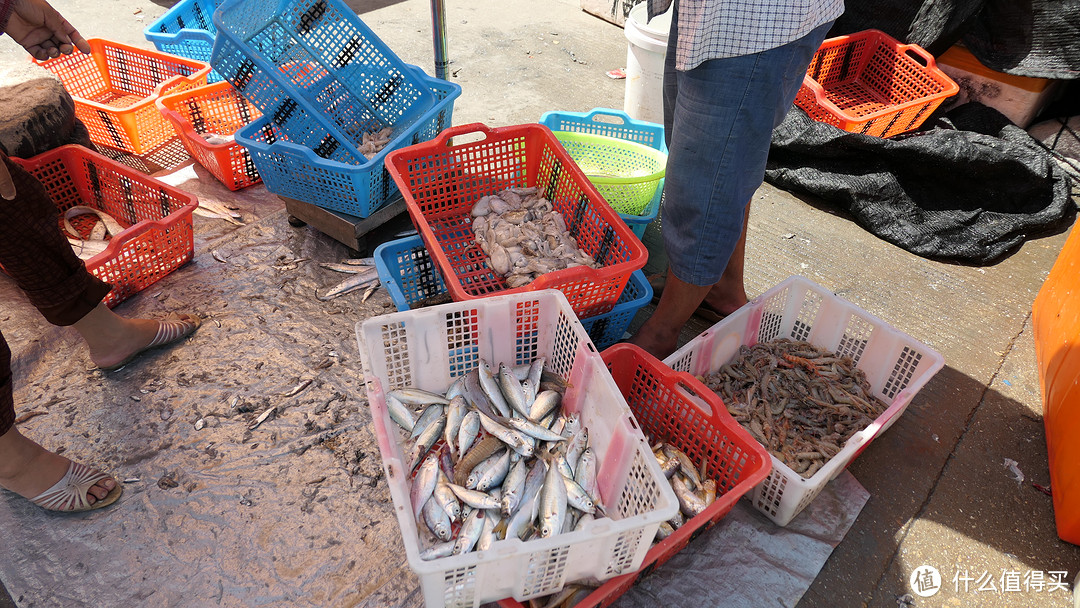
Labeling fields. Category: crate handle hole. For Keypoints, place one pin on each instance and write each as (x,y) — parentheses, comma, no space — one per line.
(466,139)
(609,119)
(918,57)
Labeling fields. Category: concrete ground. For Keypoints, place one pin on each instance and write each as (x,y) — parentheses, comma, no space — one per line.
(940,492)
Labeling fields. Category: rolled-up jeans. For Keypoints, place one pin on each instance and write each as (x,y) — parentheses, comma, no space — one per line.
(718,122)
(36,255)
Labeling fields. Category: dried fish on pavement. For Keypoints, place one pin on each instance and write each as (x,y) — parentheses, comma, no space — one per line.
(356,281)
(801,402)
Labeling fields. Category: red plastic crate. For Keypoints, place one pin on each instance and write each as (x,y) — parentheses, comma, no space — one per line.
(676,408)
(114,89)
(216,108)
(158,236)
(441,180)
(869,83)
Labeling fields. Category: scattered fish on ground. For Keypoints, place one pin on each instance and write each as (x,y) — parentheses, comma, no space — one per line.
(800,401)
(360,280)
(215,210)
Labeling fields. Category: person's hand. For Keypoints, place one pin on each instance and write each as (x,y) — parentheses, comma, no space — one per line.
(42,31)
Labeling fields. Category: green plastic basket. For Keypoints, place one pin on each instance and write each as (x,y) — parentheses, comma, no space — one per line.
(626,173)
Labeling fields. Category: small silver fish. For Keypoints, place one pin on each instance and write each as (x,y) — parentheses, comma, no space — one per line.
(353,283)
(543,404)
(296,389)
(423,485)
(262,418)
(533,430)
(437,520)
(416,396)
(691,504)
(470,428)
(553,501)
(470,532)
(446,497)
(474,498)
(455,413)
(431,413)
(492,477)
(511,390)
(437,551)
(399,413)
(344,268)
(491,389)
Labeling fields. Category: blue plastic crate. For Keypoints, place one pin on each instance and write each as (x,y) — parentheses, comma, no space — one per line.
(409,274)
(618,124)
(298,159)
(187,30)
(608,328)
(320,55)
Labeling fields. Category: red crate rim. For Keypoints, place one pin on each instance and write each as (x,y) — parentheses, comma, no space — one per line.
(184,127)
(143,226)
(949,87)
(396,165)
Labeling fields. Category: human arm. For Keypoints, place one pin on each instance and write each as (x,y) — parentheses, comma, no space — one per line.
(43,32)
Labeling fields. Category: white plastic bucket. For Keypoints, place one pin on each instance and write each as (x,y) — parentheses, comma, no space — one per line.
(645,54)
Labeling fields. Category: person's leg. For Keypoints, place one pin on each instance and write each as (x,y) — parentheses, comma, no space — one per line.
(720,127)
(38,257)
(26,468)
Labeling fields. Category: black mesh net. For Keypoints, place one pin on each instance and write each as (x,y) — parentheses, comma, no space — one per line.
(970,187)
(1035,38)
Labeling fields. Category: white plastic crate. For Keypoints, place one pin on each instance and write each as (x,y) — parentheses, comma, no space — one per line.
(431,347)
(896,365)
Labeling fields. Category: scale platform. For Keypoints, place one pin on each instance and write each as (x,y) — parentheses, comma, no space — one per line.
(360,234)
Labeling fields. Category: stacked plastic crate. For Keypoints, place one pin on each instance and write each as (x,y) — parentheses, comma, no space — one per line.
(323,80)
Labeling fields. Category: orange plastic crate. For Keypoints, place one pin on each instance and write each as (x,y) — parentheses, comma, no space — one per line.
(676,408)
(114,89)
(442,179)
(158,236)
(869,83)
(215,108)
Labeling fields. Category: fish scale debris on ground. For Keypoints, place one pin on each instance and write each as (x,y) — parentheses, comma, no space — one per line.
(800,401)
(524,237)
(489,469)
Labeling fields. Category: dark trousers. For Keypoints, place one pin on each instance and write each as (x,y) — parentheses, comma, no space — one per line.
(38,257)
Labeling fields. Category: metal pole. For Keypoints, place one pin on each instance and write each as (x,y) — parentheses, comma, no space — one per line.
(438,37)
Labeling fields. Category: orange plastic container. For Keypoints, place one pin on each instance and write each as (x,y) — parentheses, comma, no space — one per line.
(220,109)
(1056,322)
(157,237)
(114,89)
(676,408)
(869,83)
(443,178)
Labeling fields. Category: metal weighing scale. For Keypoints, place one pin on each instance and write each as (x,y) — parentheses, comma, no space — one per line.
(364,234)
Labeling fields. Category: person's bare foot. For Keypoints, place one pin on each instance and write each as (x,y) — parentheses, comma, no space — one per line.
(28,469)
(655,339)
(114,340)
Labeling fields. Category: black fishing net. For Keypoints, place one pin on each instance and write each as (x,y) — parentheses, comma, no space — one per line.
(970,187)
(1028,38)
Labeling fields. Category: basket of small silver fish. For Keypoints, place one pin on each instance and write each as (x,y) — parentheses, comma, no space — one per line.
(512,212)
(129,228)
(707,457)
(813,378)
(512,459)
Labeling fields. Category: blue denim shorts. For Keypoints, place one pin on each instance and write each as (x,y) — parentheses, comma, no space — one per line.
(718,120)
